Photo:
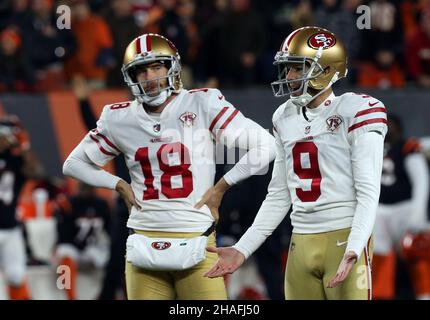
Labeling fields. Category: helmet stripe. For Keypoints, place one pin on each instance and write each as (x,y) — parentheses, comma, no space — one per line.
(138,46)
(143,43)
(148,43)
(289,39)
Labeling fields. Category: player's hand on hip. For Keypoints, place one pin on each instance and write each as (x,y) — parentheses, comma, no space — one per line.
(213,197)
(126,192)
(229,260)
(348,261)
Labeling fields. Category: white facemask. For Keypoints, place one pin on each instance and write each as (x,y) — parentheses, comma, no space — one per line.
(302,100)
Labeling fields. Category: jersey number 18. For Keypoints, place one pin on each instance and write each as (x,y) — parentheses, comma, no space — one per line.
(169,171)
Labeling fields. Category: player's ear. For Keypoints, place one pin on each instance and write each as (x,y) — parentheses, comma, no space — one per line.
(327,70)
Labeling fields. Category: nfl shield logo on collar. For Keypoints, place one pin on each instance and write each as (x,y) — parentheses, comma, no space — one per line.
(157,127)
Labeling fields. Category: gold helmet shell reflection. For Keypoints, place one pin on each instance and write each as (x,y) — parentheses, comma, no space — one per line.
(321,52)
(146,49)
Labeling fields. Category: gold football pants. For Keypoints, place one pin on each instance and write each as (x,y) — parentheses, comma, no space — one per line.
(313,260)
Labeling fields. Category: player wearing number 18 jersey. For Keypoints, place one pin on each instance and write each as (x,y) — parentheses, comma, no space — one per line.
(168,135)
(328,166)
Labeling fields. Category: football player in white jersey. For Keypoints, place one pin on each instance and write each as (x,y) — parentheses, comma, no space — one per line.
(168,135)
(328,166)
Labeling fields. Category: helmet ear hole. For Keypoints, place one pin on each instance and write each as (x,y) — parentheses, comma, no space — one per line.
(132,73)
(167,64)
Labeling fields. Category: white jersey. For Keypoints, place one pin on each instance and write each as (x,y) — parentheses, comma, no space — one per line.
(170,159)
(317,146)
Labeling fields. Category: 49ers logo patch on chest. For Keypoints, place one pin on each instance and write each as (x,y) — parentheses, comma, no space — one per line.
(161,245)
(333,123)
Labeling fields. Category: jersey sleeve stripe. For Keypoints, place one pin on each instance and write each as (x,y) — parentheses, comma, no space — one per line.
(110,144)
(366,122)
(219,115)
(101,148)
(371,110)
(229,119)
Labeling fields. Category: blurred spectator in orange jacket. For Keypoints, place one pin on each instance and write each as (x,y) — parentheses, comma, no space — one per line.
(94,56)
(382,73)
(418,51)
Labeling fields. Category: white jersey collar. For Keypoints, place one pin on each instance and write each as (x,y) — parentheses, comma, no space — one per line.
(315,112)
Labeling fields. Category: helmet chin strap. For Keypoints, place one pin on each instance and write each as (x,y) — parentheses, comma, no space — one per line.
(157,100)
(304,99)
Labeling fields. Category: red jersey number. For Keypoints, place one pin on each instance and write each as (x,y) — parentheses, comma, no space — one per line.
(120,105)
(181,169)
(311,172)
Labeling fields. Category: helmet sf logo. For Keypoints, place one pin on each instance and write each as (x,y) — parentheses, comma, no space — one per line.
(324,40)
(333,122)
(161,245)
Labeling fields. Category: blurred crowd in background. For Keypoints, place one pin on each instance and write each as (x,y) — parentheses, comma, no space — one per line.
(223,43)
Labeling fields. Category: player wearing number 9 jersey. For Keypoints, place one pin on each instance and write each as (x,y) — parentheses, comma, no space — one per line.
(168,136)
(328,167)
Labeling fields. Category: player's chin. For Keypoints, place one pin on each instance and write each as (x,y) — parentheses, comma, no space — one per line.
(296,93)
(295,90)
(154,91)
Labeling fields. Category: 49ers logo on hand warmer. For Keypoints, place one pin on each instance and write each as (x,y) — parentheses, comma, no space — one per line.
(161,245)
(323,39)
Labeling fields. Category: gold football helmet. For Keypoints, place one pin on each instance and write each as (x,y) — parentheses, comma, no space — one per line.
(319,53)
(146,49)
